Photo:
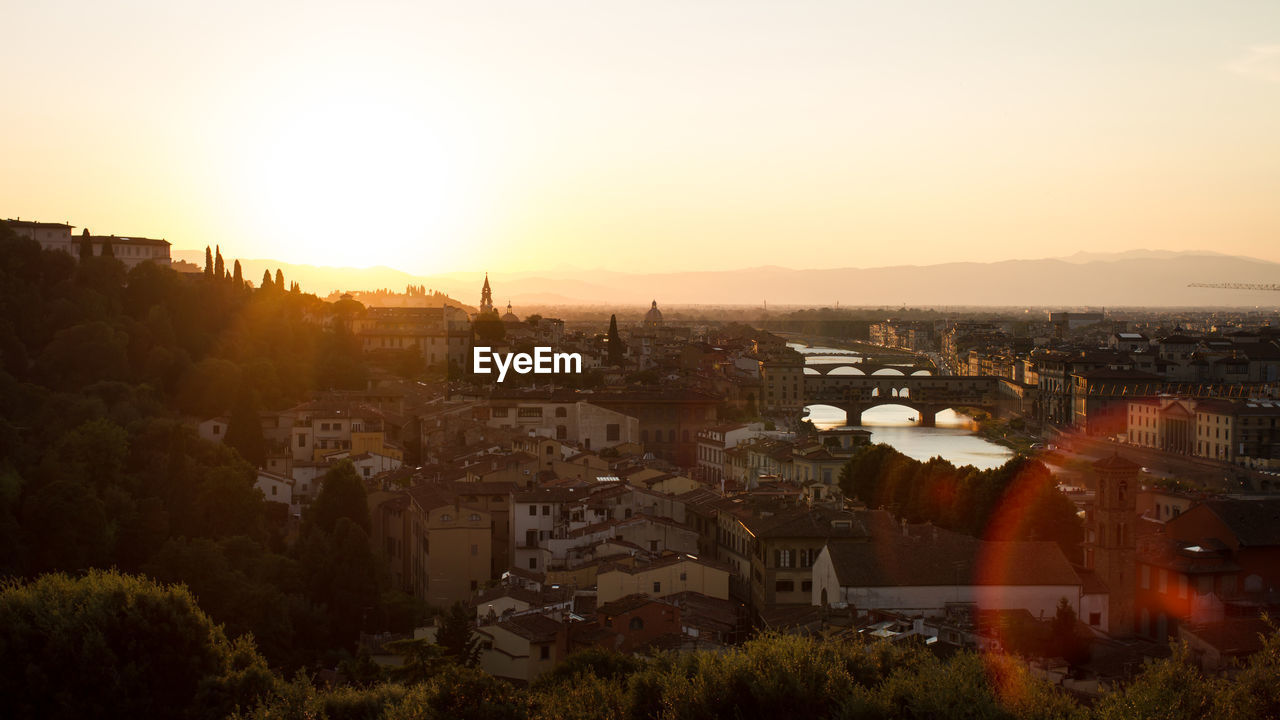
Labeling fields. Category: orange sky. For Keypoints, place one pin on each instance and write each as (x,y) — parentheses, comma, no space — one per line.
(437,137)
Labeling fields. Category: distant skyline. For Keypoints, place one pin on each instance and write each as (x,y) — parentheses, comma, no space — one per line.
(649,137)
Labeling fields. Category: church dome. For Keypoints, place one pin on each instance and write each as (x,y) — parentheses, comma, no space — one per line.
(510,317)
(654,316)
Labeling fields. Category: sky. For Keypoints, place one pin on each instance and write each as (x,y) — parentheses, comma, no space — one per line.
(648,136)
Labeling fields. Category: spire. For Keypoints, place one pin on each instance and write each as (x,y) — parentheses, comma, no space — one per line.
(486,296)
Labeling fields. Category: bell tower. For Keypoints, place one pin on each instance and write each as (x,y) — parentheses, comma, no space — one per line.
(486,297)
(1111,549)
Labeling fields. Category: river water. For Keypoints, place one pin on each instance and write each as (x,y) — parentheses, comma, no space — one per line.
(954,438)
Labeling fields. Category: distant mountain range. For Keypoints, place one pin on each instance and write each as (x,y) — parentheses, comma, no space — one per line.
(1133,278)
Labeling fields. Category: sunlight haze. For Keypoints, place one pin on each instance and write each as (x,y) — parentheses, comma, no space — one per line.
(444,137)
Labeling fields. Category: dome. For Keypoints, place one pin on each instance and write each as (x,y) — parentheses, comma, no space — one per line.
(510,317)
(654,316)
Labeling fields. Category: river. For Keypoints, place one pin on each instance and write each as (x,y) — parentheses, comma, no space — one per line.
(954,438)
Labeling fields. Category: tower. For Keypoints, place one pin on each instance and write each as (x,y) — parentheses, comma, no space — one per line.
(486,297)
(1112,547)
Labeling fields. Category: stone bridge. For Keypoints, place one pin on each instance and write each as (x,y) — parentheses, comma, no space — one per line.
(926,394)
(870,368)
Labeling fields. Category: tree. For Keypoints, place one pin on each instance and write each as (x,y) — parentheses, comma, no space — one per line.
(219,267)
(107,644)
(266,280)
(107,250)
(86,245)
(236,276)
(244,428)
(616,349)
(457,636)
(279,279)
(489,329)
(1064,640)
(208,262)
(341,495)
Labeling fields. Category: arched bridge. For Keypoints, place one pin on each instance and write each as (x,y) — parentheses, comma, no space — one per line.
(869,368)
(926,394)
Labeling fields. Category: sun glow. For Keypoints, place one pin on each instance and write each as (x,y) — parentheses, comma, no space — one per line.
(358,175)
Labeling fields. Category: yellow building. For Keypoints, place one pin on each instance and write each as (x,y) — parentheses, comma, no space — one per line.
(666,576)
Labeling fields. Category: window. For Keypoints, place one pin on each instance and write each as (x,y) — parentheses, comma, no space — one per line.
(533,563)
(612,432)
(784,586)
(784,558)
(636,624)
(561,412)
(446,518)
(366,470)
(302,441)
(657,587)
(550,449)
(1095,618)
(562,432)
(546,510)
(500,412)
(324,427)
(474,517)
(533,510)
(217,429)
(530,538)
(806,586)
(544,652)
(529,412)
(274,489)
(653,544)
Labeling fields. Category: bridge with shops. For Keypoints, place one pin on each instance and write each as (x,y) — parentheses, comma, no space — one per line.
(926,394)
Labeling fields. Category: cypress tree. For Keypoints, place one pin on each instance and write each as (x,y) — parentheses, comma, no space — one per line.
(266,279)
(279,279)
(208,262)
(236,277)
(616,348)
(219,268)
(107,250)
(86,245)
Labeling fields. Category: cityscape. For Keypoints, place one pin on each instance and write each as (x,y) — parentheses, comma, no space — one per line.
(673,360)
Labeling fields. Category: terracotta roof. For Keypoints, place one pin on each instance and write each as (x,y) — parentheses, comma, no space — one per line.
(1255,523)
(533,627)
(939,557)
(624,605)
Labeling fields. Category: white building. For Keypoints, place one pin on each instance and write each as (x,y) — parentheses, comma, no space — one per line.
(922,569)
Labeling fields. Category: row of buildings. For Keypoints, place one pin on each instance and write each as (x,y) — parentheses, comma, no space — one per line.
(131,250)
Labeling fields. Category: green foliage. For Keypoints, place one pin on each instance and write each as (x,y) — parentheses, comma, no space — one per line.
(617,350)
(244,429)
(457,636)
(107,644)
(1016,501)
(463,694)
(341,496)
(1170,689)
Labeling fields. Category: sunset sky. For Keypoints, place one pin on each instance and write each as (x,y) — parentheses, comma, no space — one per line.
(646,136)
